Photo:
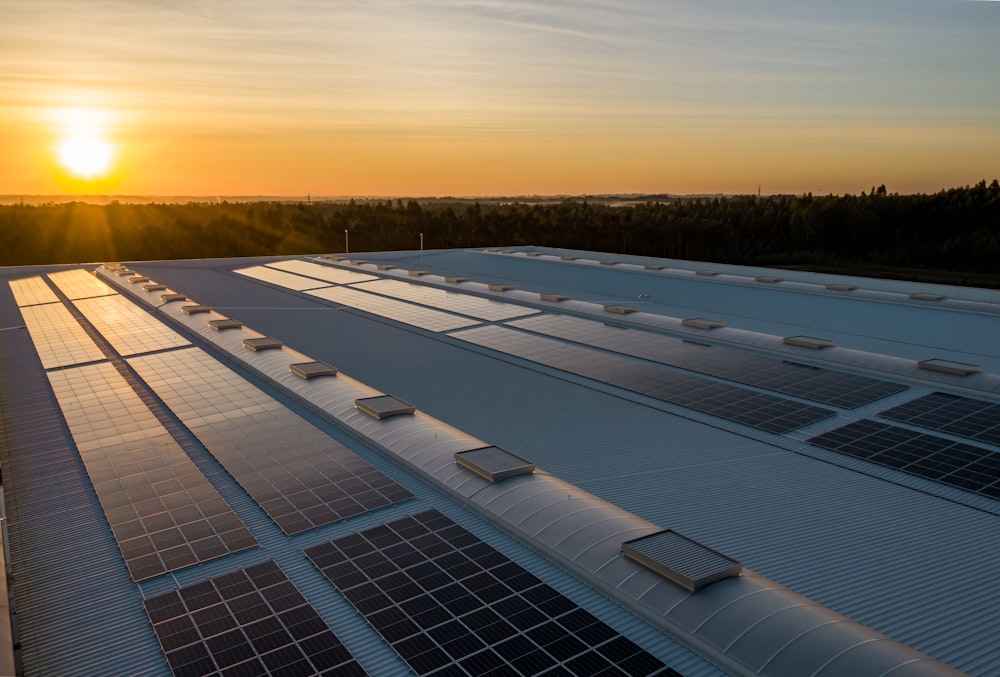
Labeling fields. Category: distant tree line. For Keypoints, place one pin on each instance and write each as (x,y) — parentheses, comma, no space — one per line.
(952,236)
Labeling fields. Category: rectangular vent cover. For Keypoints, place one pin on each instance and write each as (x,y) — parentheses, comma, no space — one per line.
(768,280)
(681,560)
(621,310)
(702,323)
(653,266)
(419,273)
(170,298)
(706,273)
(153,287)
(384,406)
(493,463)
(501,287)
(841,287)
(262,343)
(554,297)
(308,370)
(919,296)
(227,323)
(456,280)
(949,367)
(195,308)
(808,342)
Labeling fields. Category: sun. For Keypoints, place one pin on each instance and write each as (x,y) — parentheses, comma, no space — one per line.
(87,156)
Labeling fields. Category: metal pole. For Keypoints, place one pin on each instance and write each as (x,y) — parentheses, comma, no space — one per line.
(347,249)
(421,250)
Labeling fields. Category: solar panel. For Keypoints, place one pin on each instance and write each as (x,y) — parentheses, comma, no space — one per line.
(128,328)
(249,622)
(812,383)
(962,416)
(298,474)
(442,598)
(759,410)
(32,291)
(407,313)
(473,306)
(59,339)
(936,458)
(163,513)
(280,278)
(321,272)
(80,284)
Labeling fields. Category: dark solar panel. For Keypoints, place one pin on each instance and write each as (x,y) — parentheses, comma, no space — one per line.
(962,416)
(759,410)
(446,600)
(249,622)
(811,383)
(953,463)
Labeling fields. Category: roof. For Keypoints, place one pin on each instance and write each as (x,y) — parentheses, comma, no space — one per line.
(636,423)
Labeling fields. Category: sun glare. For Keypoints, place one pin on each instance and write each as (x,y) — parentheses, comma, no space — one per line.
(83,149)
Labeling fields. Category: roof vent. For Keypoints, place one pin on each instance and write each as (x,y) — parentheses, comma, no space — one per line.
(920,296)
(112,266)
(702,323)
(153,287)
(501,287)
(769,280)
(621,310)
(949,367)
(533,253)
(418,273)
(262,343)
(386,266)
(706,273)
(456,280)
(610,262)
(195,308)
(681,560)
(493,463)
(568,258)
(808,342)
(124,271)
(556,298)
(170,298)
(841,287)
(308,370)
(225,323)
(138,278)
(506,251)
(356,262)
(384,406)
(653,266)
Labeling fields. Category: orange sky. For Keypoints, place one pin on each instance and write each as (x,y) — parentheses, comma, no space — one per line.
(394,97)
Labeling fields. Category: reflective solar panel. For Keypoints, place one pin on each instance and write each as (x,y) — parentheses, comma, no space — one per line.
(811,383)
(249,622)
(163,512)
(407,313)
(456,302)
(80,284)
(759,410)
(32,291)
(59,339)
(321,272)
(936,458)
(128,328)
(445,600)
(298,474)
(962,416)
(280,278)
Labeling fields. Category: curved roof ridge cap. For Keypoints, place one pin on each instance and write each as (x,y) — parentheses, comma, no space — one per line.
(765,618)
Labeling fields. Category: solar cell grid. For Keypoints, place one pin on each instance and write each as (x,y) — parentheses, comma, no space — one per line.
(759,410)
(249,622)
(962,416)
(280,278)
(321,272)
(456,302)
(59,339)
(956,464)
(443,599)
(32,291)
(811,383)
(80,284)
(162,511)
(298,474)
(128,328)
(407,313)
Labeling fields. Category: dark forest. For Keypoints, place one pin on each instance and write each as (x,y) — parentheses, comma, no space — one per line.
(952,236)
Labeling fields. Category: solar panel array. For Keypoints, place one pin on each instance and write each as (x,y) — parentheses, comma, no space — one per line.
(280,278)
(759,410)
(953,463)
(249,622)
(163,513)
(445,600)
(59,339)
(298,474)
(790,378)
(128,328)
(962,416)
(321,272)
(442,299)
(417,316)
(79,284)
(32,291)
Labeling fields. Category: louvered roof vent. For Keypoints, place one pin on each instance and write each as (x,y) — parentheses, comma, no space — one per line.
(808,342)
(262,343)
(308,370)
(384,406)
(225,323)
(494,463)
(621,310)
(554,297)
(680,559)
(949,367)
(501,287)
(153,286)
(702,323)
(170,298)
(195,308)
